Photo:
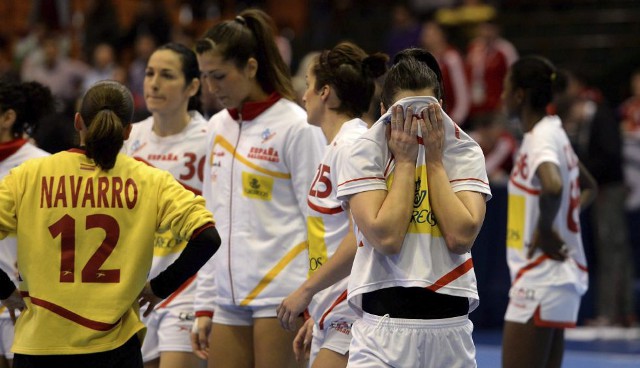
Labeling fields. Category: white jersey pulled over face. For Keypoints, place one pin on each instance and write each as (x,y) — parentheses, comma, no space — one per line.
(328,224)
(546,142)
(424,260)
(13,154)
(183,155)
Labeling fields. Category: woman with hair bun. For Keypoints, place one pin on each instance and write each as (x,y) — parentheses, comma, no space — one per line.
(85,221)
(261,161)
(340,86)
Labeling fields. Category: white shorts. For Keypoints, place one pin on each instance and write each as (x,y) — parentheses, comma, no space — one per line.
(168,329)
(550,306)
(6,337)
(234,315)
(396,342)
(335,337)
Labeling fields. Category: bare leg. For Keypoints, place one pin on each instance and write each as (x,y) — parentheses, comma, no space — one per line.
(330,359)
(232,346)
(273,344)
(527,346)
(170,359)
(152,363)
(557,349)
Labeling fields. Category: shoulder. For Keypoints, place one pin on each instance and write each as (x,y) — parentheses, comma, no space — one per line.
(287,109)
(351,131)
(549,126)
(142,126)
(31,151)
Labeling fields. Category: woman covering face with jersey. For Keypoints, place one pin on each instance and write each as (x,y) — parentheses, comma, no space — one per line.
(544,245)
(173,138)
(261,161)
(340,85)
(85,221)
(416,185)
(22,105)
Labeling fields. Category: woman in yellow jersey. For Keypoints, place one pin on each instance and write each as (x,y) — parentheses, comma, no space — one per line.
(544,244)
(85,221)
(22,105)
(261,160)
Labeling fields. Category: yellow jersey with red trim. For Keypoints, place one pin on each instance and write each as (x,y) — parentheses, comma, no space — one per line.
(546,142)
(256,178)
(424,259)
(328,224)
(85,243)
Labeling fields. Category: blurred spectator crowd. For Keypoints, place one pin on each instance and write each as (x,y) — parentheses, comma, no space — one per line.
(68,48)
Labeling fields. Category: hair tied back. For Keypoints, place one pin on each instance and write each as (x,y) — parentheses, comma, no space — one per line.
(375,65)
(240,19)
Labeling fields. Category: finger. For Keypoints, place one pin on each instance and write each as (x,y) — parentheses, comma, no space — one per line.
(12,314)
(297,346)
(423,127)
(149,308)
(395,118)
(433,119)
(283,319)
(532,250)
(438,112)
(201,354)
(203,340)
(415,122)
(408,119)
(292,322)
(195,344)
(309,334)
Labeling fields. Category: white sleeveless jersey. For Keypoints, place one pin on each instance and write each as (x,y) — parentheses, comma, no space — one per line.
(424,260)
(8,245)
(546,142)
(183,155)
(328,224)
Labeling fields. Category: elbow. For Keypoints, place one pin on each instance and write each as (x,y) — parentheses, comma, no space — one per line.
(462,241)
(390,245)
(459,245)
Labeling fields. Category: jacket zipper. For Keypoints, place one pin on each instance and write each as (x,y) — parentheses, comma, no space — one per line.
(233,161)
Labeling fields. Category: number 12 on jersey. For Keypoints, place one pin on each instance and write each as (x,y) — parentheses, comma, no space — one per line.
(91,272)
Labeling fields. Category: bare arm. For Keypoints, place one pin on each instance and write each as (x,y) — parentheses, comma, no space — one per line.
(460,215)
(549,201)
(337,267)
(383,217)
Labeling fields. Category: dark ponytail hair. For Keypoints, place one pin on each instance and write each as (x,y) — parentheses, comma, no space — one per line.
(351,73)
(251,35)
(106,108)
(412,70)
(537,76)
(31,101)
(190,69)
